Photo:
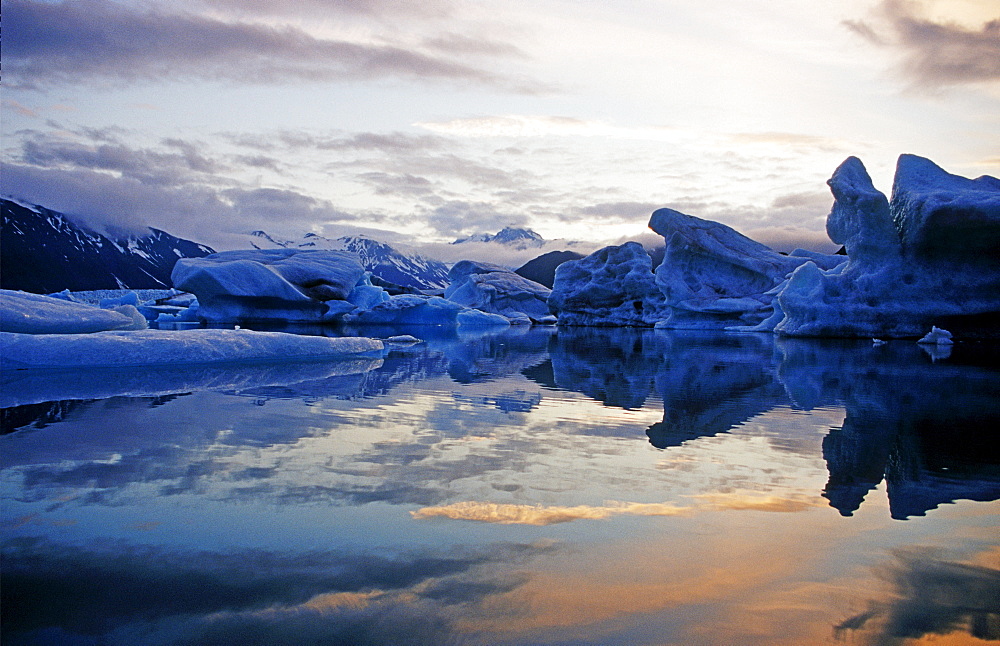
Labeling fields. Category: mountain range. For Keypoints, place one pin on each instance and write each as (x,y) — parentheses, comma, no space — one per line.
(43,251)
(508,236)
(387,265)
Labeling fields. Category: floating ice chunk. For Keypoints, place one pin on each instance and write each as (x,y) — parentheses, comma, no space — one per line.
(930,256)
(937,336)
(36,314)
(713,277)
(138,320)
(154,347)
(476,318)
(285,284)
(613,286)
(410,309)
(365,295)
(403,339)
(497,290)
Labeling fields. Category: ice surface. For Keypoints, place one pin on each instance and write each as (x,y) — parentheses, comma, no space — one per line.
(613,286)
(284,284)
(930,256)
(498,290)
(713,277)
(157,347)
(36,314)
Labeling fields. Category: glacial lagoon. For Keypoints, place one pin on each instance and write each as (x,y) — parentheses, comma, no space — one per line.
(535,486)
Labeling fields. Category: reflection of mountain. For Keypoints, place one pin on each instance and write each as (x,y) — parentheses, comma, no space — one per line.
(924,427)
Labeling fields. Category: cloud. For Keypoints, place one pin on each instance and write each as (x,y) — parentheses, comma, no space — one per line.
(427,9)
(80,40)
(935,54)
(526,125)
(217,216)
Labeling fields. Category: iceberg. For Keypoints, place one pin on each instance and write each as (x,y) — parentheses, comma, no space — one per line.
(928,257)
(26,313)
(271,284)
(498,290)
(158,347)
(613,286)
(713,277)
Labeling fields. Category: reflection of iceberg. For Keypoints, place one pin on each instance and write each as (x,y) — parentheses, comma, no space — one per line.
(21,387)
(710,383)
(612,365)
(925,427)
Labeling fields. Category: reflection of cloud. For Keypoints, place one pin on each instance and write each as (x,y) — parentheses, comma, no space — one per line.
(752,502)
(166,596)
(512,514)
(933,597)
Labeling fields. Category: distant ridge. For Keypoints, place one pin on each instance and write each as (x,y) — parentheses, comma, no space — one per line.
(543,268)
(42,251)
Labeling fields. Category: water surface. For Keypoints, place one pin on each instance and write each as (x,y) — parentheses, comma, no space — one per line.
(572,486)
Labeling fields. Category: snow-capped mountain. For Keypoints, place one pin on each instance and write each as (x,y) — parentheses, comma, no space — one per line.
(44,252)
(509,236)
(382,260)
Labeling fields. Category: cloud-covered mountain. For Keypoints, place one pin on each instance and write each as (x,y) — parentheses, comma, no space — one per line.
(382,260)
(509,236)
(44,252)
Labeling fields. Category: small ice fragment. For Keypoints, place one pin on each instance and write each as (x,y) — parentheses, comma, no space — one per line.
(937,336)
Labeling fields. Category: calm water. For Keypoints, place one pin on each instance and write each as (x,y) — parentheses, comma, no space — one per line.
(536,487)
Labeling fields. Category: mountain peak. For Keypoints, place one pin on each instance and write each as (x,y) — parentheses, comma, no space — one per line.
(510,236)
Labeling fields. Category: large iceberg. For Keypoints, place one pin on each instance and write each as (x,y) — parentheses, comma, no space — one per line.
(270,284)
(498,290)
(158,347)
(713,277)
(26,313)
(613,286)
(928,257)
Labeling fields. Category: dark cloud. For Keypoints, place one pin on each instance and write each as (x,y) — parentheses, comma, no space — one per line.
(935,54)
(170,166)
(219,217)
(79,40)
(427,9)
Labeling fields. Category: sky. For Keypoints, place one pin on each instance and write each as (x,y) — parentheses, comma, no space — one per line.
(423,122)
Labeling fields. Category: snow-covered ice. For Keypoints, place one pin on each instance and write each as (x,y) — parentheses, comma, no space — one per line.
(937,336)
(36,314)
(713,277)
(498,290)
(930,256)
(158,347)
(283,284)
(613,286)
